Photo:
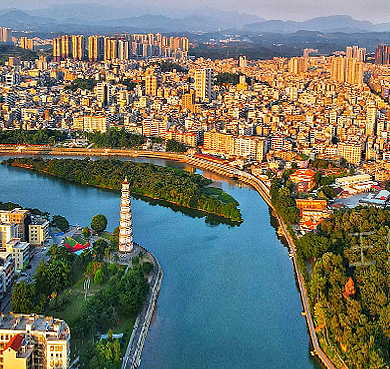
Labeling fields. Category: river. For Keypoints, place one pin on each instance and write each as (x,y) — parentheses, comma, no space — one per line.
(228,297)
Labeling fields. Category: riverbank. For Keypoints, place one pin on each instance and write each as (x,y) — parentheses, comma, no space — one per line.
(179,188)
(132,358)
(263,191)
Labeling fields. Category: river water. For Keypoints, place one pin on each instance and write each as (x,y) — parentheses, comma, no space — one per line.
(228,298)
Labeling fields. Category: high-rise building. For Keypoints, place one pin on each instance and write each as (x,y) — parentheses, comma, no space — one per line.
(153,81)
(297,65)
(382,54)
(78,46)
(348,70)
(125,221)
(57,49)
(66,47)
(5,34)
(95,48)
(24,42)
(204,80)
(351,151)
(188,101)
(103,93)
(242,63)
(371,119)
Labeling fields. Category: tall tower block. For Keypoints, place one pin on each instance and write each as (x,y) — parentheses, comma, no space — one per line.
(125,223)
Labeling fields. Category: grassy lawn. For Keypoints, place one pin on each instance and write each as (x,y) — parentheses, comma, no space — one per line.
(105,235)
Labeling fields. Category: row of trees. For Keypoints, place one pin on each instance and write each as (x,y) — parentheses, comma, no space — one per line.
(351,302)
(115,139)
(83,84)
(175,146)
(32,137)
(172,185)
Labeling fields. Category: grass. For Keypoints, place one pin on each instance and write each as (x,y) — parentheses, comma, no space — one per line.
(220,195)
(105,235)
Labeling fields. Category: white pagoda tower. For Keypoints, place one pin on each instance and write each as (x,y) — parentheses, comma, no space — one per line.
(125,224)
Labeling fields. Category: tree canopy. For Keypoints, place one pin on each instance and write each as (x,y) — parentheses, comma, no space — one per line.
(99,223)
(60,222)
(173,185)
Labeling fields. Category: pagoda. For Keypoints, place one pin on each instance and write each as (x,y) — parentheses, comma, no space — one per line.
(125,223)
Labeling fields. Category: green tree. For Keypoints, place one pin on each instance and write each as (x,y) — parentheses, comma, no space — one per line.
(22,298)
(85,233)
(99,277)
(175,146)
(60,222)
(99,223)
(99,247)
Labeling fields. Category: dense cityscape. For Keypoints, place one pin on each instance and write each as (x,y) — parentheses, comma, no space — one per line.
(310,133)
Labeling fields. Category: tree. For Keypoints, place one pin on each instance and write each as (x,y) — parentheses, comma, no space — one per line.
(85,233)
(175,146)
(99,247)
(99,277)
(22,298)
(60,222)
(99,223)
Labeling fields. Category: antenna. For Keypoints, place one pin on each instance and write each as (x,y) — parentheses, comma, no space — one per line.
(362,248)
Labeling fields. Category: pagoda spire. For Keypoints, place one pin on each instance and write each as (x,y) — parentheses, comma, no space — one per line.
(125,220)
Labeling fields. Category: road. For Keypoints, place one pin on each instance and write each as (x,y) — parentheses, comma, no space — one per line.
(37,253)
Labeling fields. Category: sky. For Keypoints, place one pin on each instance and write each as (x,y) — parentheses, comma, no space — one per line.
(376,11)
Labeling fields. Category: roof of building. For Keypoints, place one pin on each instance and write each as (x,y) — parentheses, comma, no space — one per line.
(14,343)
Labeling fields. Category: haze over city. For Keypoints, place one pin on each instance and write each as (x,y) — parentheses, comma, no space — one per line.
(375,11)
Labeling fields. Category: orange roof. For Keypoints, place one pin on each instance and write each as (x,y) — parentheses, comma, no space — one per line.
(14,343)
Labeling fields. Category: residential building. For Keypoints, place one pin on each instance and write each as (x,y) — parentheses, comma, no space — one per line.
(38,231)
(32,341)
(204,84)
(18,216)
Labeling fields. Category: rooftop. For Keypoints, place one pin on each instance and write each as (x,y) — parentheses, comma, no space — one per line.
(54,328)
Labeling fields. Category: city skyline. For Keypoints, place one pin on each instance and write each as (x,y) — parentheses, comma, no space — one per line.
(373,11)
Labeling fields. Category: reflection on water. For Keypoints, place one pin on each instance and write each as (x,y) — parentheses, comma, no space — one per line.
(228,298)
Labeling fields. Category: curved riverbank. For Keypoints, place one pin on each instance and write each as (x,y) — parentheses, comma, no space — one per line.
(132,357)
(179,188)
(261,188)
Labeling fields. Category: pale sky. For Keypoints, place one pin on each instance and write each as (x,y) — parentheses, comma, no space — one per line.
(376,11)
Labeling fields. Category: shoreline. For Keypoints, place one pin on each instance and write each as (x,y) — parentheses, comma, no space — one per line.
(132,357)
(221,169)
(223,218)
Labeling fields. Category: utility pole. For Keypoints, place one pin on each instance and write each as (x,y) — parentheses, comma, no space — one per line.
(362,248)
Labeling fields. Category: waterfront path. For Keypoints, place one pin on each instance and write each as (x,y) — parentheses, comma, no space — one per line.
(132,357)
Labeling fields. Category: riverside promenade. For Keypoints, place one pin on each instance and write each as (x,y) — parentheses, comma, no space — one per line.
(132,357)
(133,353)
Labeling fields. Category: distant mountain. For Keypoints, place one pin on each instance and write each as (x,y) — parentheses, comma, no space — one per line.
(334,23)
(204,19)
(95,18)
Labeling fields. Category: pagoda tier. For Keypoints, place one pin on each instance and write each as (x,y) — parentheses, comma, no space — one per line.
(125,221)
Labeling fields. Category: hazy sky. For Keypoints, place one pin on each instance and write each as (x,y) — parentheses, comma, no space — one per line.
(376,11)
